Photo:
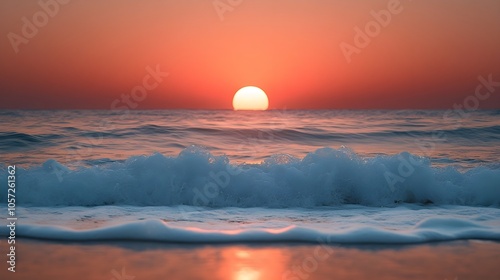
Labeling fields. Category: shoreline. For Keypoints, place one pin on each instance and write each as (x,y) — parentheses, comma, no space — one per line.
(39,259)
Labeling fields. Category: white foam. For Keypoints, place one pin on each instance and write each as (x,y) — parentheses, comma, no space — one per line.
(196,177)
(155,230)
(341,224)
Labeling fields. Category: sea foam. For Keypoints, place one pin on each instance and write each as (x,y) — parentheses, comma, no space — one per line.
(433,229)
(325,177)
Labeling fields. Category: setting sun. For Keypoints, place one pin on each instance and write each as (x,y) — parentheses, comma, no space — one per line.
(250,98)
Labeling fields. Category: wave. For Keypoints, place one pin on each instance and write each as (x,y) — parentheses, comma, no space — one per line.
(485,133)
(490,133)
(15,140)
(324,177)
(429,230)
(66,136)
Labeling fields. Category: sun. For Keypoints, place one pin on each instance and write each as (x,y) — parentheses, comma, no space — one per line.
(250,98)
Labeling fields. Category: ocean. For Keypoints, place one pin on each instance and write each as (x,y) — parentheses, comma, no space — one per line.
(340,177)
(279,194)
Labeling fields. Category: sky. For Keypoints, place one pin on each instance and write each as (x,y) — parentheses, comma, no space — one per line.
(195,54)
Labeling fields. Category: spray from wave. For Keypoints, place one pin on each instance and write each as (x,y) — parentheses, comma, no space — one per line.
(195,177)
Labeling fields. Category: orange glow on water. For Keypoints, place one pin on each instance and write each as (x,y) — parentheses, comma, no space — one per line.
(239,262)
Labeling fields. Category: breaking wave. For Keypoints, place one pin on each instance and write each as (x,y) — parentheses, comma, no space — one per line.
(324,177)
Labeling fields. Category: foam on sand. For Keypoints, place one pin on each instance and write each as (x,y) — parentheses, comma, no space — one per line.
(432,229)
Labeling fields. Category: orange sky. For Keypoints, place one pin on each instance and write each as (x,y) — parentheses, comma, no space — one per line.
(89,53)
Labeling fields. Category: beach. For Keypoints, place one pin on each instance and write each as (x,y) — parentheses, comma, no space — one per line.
(124,260)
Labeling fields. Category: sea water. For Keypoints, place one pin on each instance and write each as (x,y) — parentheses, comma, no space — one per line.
(275,176)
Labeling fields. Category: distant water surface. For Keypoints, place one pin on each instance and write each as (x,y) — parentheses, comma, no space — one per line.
(96,137)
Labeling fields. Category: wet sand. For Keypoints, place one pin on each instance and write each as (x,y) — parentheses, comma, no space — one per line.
(126,261)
